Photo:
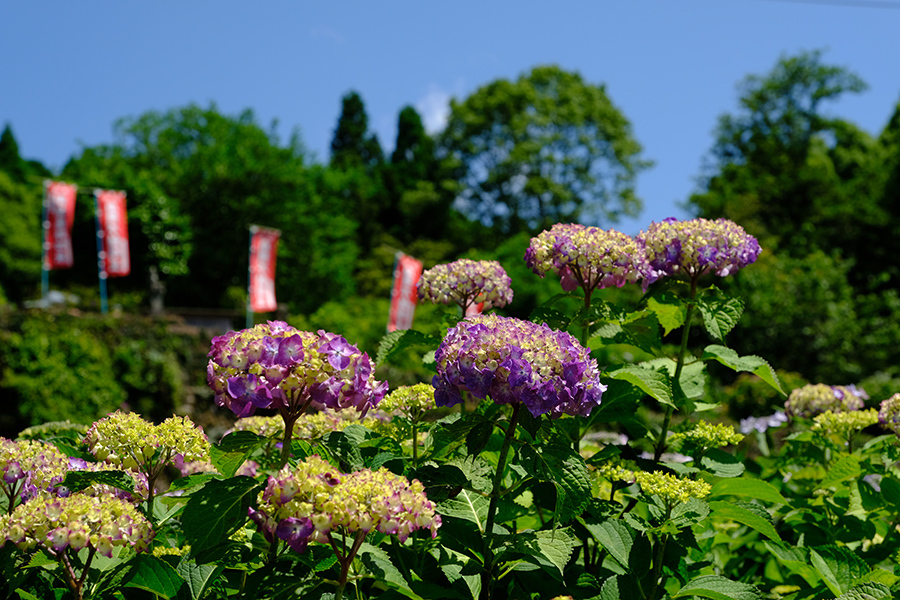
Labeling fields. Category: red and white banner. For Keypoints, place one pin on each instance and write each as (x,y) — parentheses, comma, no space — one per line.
(59,201)
(113,221)
(475,309)
(403,292)
(263,249)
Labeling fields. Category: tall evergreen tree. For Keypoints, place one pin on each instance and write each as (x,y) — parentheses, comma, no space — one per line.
(10,160)
(353,145)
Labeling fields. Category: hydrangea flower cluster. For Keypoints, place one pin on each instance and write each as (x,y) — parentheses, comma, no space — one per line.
(76,521)
(617,470)
(141,485)
(586,257)
(695,247)
(708,435)
(28,467)
(517,361)
(761,424)
(466,282)
(889,414)
(813,399)
(412,401)
(845,424)
(128,441)
(274,365)
(305,503)
(671,488)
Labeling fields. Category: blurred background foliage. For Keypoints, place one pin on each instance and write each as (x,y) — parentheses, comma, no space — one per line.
(822,196)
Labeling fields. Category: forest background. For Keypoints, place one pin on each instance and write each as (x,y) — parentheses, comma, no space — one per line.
(820,193)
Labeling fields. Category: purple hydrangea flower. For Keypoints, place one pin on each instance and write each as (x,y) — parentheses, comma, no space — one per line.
(762,424)
(511,360)
(586,257)
(276,366)
(466,282)
(889,414)
(814,399)
(695,247)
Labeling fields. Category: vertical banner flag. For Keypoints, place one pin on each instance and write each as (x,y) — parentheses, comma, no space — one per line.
(475,309)
(59,214)
(263,248)
(113,222)
(403,292)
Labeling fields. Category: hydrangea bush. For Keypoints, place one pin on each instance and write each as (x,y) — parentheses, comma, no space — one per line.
(527,468)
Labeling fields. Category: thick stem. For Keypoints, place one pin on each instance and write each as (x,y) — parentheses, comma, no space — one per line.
(679,365)
(658,554)
(75,584)
(415,441)
(486,579)
(346,559)
(290,415)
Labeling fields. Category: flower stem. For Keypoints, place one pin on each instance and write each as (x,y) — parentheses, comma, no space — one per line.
(415,441)
(486,580)
(679,365)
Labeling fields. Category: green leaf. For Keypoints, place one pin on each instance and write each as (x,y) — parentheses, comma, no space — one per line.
(718,588)
(749,488)
(656,384)
(469,506)
(743,514)
(77,481)
(556,462)
(620,587)
(846,467)
(229,454)
(217,511)
(750,364)
(867,591)
(795,559)
(153,575)
(478,438)
(547,548)
(198,577)
(396,342)
(345,445)
(890,491)
(670,310)
(720,315)
(720,463)
(379,564)
(25,595)
(615,536)
(838,567)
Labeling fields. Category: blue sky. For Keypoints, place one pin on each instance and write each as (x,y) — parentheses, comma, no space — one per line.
(68,70)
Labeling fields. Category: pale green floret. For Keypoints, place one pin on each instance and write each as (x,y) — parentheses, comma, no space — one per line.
(617,470)
(672,488)
(262,426)
(709,435)
(410,400)
(845,424)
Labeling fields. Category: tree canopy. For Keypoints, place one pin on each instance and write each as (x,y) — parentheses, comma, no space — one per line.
(545,148)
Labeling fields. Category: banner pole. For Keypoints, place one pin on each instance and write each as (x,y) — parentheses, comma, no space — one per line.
(45,230)
(101,254)
(250,278)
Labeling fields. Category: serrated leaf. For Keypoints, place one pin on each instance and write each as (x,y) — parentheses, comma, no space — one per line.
(620,587)
(548,548)
(720,315)
(466,505)
(379,564)
(748,488)
(890,491)
(198,577)
(838,567)
(670,311)
(77,481)
(718,588)
(740,513)
(41,559)
(795,559)
(228,455)
(688,513)
(217,511)
(749,363)
(721,464)
(396,342)
(345,445)
(656,384)
(557,463)
(478,438)
(153,575)
(693,375)
(846,467)
(867,591)
(615,536)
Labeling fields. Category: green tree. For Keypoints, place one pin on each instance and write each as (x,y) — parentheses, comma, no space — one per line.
(353,144)
(216,175)
(545,148)
(779,166)
(20,239)
(18,168)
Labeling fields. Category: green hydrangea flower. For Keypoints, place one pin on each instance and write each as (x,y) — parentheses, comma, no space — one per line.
(671,488)
(412,401)
(845,424)
(708,435)
(617,470)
